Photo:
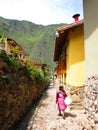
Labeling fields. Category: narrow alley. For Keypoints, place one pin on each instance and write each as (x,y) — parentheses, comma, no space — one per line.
(44,116)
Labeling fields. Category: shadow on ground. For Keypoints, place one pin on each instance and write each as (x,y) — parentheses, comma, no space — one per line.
(67,114)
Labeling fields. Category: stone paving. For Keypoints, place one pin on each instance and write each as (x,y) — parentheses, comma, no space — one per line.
(44,116)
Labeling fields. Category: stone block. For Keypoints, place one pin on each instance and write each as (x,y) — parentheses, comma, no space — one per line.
(75,98)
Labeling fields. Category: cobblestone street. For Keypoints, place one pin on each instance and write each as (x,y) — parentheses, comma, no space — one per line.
(44,116)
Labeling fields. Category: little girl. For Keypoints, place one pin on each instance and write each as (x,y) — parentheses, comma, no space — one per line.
(60,97)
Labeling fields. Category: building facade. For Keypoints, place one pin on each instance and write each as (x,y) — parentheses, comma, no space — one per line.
(69,54)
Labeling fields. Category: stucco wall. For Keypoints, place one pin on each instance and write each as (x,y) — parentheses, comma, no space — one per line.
(91,36)
(75,57)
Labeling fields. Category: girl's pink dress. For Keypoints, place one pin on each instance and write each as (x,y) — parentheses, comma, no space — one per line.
(60,99)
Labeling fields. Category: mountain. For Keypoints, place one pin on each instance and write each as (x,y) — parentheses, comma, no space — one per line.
(37,40)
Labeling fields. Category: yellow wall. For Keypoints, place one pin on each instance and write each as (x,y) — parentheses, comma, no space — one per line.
(75,57)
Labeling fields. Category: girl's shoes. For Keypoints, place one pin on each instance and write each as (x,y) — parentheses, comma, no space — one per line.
(59,114)
(63,117)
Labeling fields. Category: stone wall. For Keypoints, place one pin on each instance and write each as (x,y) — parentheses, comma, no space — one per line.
(17,94)
(77,94)
(91,101)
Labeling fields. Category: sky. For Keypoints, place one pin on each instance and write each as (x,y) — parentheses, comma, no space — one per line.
(43,12)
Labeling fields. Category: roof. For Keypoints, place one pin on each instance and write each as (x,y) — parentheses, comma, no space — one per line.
(61,38)
(69,26)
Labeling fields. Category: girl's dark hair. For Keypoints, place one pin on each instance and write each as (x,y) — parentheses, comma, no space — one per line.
(60,87)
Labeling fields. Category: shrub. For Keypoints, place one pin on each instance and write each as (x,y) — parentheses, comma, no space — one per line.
(46,75)
(33,73)
(1,52)
(14,51)
(12,62)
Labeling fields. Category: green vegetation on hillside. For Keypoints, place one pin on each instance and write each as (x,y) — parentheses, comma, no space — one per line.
(37,40)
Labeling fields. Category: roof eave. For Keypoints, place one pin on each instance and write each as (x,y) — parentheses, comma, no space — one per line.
(63,30)
(69,26)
